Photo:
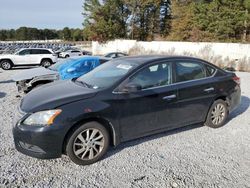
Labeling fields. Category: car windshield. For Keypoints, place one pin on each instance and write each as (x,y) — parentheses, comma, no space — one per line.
(107,74)
(56,66)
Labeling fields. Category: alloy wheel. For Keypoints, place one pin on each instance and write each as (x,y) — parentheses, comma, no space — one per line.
(88,144)
(6,65)
(46,64)
(218,114)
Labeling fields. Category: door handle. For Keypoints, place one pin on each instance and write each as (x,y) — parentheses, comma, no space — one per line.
(209,89)
(169,97)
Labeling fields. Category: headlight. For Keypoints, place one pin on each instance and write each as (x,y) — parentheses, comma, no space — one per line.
(42,117)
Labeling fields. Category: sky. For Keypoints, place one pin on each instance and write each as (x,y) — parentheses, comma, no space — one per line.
(51,14)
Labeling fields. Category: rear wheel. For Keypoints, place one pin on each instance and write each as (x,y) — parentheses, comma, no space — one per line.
(6,64)
(88,143)
(46,63)
(67,56)
(217,114)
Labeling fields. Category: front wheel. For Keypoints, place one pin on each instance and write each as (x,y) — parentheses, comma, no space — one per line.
(88,143)
(6,64)
(217,114)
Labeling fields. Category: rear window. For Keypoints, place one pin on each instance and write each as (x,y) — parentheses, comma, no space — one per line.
(186,71)
(210,70)
(103,61)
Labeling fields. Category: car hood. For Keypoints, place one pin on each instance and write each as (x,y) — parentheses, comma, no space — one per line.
(2,56)
(53,95)
(31,73)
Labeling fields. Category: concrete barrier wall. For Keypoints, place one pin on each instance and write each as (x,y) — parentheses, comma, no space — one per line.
(233,51)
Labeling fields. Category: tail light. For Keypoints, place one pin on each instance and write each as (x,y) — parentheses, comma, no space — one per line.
(236,79)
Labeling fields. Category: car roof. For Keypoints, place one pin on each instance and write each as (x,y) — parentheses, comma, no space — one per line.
(35,49)
(90,57)
(144,59)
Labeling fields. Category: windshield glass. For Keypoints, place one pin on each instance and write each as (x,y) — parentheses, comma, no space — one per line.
(56,66)
(107,74)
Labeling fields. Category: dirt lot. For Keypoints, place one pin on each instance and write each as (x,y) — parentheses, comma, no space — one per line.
(195,156)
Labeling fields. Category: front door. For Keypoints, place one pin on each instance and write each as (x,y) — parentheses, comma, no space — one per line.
(151,108)
(22,57)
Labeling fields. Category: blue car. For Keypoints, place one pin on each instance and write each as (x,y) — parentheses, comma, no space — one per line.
(62,70)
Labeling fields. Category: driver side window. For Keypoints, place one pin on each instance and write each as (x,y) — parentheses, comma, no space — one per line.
(153,76)
(24,52)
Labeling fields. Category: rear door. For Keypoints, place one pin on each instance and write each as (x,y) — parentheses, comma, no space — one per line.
(196,90)
(37,55)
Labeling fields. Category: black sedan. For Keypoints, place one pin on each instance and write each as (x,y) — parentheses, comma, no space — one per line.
(121,100)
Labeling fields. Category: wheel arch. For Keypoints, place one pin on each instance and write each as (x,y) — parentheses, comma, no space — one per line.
(104,122)
(46,58)
(8,60)
(222,97)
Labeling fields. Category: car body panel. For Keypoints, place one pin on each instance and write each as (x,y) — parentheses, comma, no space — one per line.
(31,73)
(60,92)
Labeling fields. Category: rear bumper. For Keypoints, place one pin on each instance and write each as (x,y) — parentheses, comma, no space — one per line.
(235,99)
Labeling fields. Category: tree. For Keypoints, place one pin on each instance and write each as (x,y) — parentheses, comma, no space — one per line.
(22,33)
(66,34)
(77,34)
(226,20)
(104,21)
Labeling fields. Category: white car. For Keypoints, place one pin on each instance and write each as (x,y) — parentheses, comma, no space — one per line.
(28,57)
(70,53)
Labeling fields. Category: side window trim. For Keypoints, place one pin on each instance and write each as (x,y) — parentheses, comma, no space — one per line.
(121,85)
(203,63)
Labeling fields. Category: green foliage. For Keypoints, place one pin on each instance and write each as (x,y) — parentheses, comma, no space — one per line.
(135,19)
(26,33)
(224,18)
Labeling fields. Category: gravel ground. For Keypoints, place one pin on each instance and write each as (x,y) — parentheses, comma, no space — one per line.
(196,156)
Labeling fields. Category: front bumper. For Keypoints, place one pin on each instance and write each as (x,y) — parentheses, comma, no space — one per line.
(38,141)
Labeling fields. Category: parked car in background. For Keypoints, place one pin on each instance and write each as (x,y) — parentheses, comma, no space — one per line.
(121,100)
(28,57)
(85,52)
(62,70)
(70,53)
(63,49)
(115,55)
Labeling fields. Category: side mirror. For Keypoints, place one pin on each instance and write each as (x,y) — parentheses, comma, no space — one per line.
(71,70)
(131,88)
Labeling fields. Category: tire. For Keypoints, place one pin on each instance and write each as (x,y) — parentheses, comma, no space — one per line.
(90,151)
(6,64)
(66,56)
(217,114)
(46,63)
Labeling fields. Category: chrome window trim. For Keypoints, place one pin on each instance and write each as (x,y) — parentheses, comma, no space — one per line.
(172,84)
